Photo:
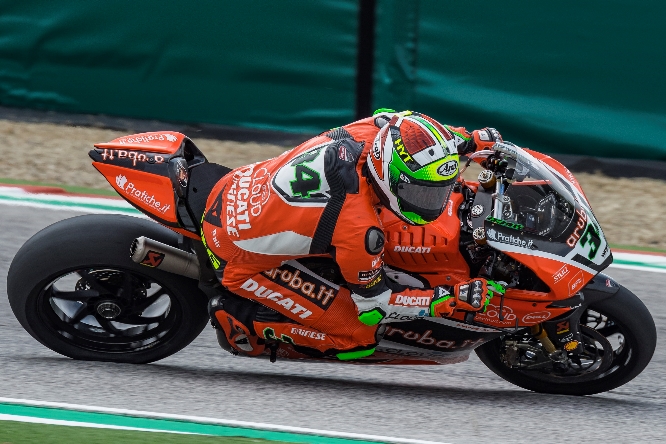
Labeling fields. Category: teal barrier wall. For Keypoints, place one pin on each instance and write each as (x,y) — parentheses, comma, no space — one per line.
(565,77)
(287,64)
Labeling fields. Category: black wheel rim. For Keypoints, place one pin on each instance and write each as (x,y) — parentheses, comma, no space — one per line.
(606,350)
(109,310)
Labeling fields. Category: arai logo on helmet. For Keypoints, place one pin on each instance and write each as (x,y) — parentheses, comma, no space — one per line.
(447,168)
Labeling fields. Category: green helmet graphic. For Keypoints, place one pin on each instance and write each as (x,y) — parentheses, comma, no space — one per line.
(414,165)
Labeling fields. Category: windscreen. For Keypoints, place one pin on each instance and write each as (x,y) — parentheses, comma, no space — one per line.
(538,200)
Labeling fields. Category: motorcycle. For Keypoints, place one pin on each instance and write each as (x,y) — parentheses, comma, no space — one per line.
(125,289)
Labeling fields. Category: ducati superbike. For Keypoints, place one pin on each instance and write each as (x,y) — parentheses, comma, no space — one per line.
(127,289)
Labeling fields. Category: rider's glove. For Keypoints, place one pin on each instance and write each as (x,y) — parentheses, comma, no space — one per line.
(474,295)
(483,139)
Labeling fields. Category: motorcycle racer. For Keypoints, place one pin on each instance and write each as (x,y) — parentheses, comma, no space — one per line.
(322,200)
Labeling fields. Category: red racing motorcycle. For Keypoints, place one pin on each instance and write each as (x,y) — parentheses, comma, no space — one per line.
(126,289)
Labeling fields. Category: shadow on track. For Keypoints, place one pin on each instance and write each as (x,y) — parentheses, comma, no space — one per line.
(515,399)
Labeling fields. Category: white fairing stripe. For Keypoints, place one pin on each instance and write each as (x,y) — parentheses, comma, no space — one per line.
(283,243)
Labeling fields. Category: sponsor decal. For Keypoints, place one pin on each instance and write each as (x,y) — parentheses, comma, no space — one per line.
(409,301)
(409,249)
(377,280)
(576,283)
(252,286)
(134,156)
(448,168)
(365,276)
(580,224)
(449,208)
(571,346)
(427,339)
(245,198)
(308,333)
(130,189)
(496,236)
(305,285)
(504,223)
(536,318)
(395,316)
(483,135)
(147,138)
(378,260)
(402,152)
(611,283)
(562,327)
(560,274)
(492,315)
(215,241)
(153,259)
(566,338)
(376,150)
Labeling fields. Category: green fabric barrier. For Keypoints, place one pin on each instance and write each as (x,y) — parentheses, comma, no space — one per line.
(285,65)
(567,77)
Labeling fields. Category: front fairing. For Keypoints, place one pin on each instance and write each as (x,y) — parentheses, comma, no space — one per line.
(545,222)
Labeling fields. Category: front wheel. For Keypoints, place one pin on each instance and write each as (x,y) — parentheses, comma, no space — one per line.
(619,338)
(74,288)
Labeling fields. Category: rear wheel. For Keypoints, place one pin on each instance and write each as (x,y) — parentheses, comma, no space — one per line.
(74,288)
(619,339)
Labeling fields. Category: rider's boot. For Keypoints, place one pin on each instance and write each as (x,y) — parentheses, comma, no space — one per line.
(232,317)
(245,327)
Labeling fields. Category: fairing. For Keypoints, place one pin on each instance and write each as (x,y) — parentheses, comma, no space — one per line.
(150,171)
(546,223)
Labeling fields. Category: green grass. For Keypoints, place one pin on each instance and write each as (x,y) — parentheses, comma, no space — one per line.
(634,248)
(68,188)
(21,433)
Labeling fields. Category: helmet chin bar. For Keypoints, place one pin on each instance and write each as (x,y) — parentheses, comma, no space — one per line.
(386,203)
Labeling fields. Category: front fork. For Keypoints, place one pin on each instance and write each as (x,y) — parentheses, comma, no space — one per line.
(562,335)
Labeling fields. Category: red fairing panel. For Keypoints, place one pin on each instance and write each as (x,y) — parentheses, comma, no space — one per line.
(166,142)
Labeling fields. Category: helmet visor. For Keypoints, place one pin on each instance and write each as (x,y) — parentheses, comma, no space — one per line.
(426,201)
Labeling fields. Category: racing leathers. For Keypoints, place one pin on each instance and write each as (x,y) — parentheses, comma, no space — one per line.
(309,203)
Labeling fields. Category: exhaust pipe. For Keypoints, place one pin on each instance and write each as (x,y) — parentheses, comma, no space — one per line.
(155,254)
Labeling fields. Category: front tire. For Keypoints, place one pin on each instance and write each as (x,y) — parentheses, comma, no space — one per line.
(74,288)
(622,316)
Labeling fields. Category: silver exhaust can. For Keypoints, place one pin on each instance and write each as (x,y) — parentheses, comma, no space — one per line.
(152,253)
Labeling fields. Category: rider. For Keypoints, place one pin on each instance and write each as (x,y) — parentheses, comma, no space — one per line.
(321,200)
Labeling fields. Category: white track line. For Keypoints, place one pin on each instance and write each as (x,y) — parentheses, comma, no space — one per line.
(216,421)
(59,422)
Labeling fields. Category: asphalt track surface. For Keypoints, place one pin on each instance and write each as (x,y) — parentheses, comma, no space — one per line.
(457,403)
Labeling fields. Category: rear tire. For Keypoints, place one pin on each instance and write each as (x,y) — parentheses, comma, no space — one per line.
(114,309)
(630,317)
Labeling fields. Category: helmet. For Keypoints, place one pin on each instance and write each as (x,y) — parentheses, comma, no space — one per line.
(413,165)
